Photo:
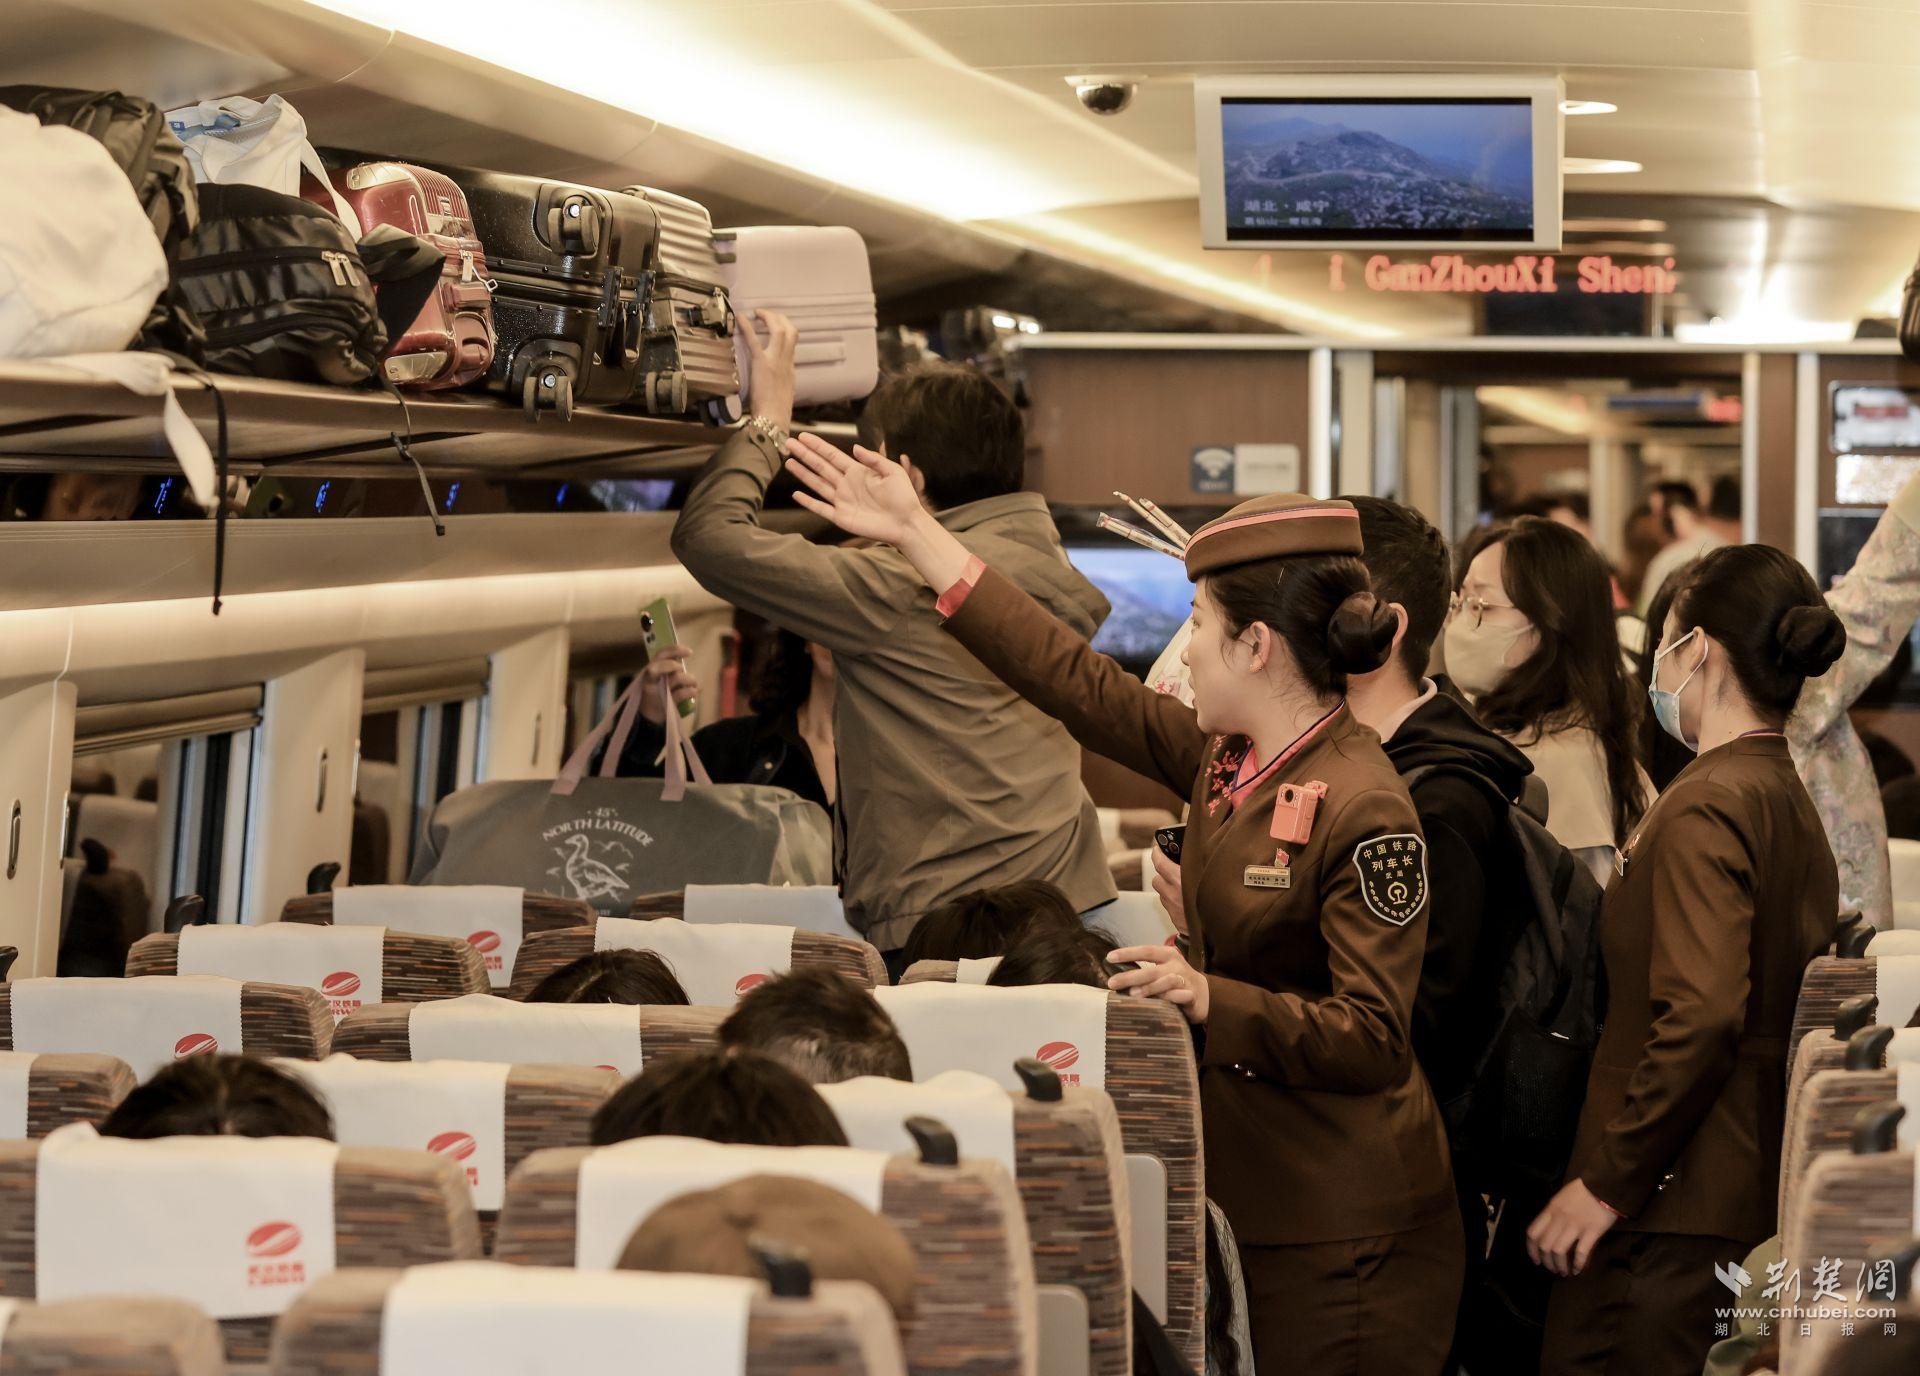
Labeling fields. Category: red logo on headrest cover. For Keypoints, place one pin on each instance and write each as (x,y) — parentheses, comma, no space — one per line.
(194,1044)
(458,1145)
(748,983)
(272,1240)
(484,942)
(340,984)
(1059,1055)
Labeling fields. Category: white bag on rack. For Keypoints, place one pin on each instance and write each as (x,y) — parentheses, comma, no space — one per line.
(237,141)
(79,264)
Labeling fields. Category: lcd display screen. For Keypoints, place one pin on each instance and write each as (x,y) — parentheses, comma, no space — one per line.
(1150,594)
(1389,169)
(1379,161)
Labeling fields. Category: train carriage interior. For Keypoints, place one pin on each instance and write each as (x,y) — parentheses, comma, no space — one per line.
(799,527)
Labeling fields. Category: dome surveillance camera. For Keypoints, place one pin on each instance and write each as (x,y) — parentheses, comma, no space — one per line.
(1104,95)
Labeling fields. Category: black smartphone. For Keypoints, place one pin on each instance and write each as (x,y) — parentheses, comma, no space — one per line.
(1169,840)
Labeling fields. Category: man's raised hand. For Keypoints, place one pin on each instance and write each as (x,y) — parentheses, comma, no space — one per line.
(865,494)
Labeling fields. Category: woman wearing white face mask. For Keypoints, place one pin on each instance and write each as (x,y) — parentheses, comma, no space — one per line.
(1727,890)
(1531,642)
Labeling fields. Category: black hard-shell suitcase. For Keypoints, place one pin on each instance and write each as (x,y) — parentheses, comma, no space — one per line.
(691,363)
(570,266)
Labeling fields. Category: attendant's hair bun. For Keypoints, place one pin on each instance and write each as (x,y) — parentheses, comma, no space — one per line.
(1809,639)
(1360,634)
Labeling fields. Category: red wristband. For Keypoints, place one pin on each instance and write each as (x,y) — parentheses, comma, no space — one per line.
(955,597)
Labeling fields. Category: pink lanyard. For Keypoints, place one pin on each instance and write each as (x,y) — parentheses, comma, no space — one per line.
(1238,793)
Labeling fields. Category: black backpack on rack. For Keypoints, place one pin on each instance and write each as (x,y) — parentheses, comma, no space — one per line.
(279,288)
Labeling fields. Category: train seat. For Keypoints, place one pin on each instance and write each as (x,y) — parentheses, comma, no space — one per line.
(494,921)
(127,1335)
(1141,1053)
(352,967)
(715,963)
(485,1027)
(1062,1146)
(1821,1114)
(486,1116)
(490,1319)
(1893,982)
(814,908)
(235,1225)
(974,1304)
(39,1093)
(148,1022)
(1853,1208)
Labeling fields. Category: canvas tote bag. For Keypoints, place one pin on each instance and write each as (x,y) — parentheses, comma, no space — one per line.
(608,840)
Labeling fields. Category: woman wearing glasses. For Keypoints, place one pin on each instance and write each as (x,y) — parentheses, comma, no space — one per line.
(1727,889)
(1531,641)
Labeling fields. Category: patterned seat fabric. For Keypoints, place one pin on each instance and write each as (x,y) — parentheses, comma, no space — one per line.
(122,1336)
(841,1329)
(542,954)
(275,1020)
(382,1033)
(404,1207)
(974,1309)
(413,967)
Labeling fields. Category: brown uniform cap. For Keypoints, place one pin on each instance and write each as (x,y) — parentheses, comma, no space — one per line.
(1281,523)
(707,1232)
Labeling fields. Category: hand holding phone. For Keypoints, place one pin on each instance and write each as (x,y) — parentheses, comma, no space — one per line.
(658,634)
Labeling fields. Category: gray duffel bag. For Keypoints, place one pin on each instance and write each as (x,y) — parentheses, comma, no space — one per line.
(608,840)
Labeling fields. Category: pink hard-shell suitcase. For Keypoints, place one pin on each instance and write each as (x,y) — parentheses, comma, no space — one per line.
(451,341)
(820,278)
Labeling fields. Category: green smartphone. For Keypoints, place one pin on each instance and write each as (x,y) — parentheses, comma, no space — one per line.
(657,633)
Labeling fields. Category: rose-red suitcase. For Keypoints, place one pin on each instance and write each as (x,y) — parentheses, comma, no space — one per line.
(451,341)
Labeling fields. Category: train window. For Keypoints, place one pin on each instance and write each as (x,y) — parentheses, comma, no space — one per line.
(595,678)
(420,732)
(158,807)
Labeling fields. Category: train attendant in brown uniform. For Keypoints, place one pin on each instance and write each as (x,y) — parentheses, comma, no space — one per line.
(1306,900)
(1725,893)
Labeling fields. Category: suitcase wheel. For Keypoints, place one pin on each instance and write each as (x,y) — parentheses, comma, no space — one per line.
(666,393)
(573,226)
(544,388)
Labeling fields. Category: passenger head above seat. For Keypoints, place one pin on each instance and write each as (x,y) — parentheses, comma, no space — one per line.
(723,1096)
(984,923)
(220,1096)
(713,1233)
(950,426)
(821,1025)
(612,977)
(1045,954)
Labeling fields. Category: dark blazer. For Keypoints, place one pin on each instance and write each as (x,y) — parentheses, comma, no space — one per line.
(1319,1125)
(1728,890)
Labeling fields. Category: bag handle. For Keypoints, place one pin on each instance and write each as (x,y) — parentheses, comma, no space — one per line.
(310,160)
(616,727)
(818,351)
(682,758)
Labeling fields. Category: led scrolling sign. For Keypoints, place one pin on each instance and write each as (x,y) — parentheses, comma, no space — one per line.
(1596,274)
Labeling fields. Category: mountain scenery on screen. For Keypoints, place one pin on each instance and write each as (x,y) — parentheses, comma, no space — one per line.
(1151,599)
(1400,166)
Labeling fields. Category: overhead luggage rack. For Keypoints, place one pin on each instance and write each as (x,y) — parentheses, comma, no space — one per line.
(54,418)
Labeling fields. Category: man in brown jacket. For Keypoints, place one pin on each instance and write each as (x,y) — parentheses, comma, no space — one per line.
(948,780)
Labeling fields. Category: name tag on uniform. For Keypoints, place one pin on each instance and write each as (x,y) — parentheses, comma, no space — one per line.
(1268,877)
